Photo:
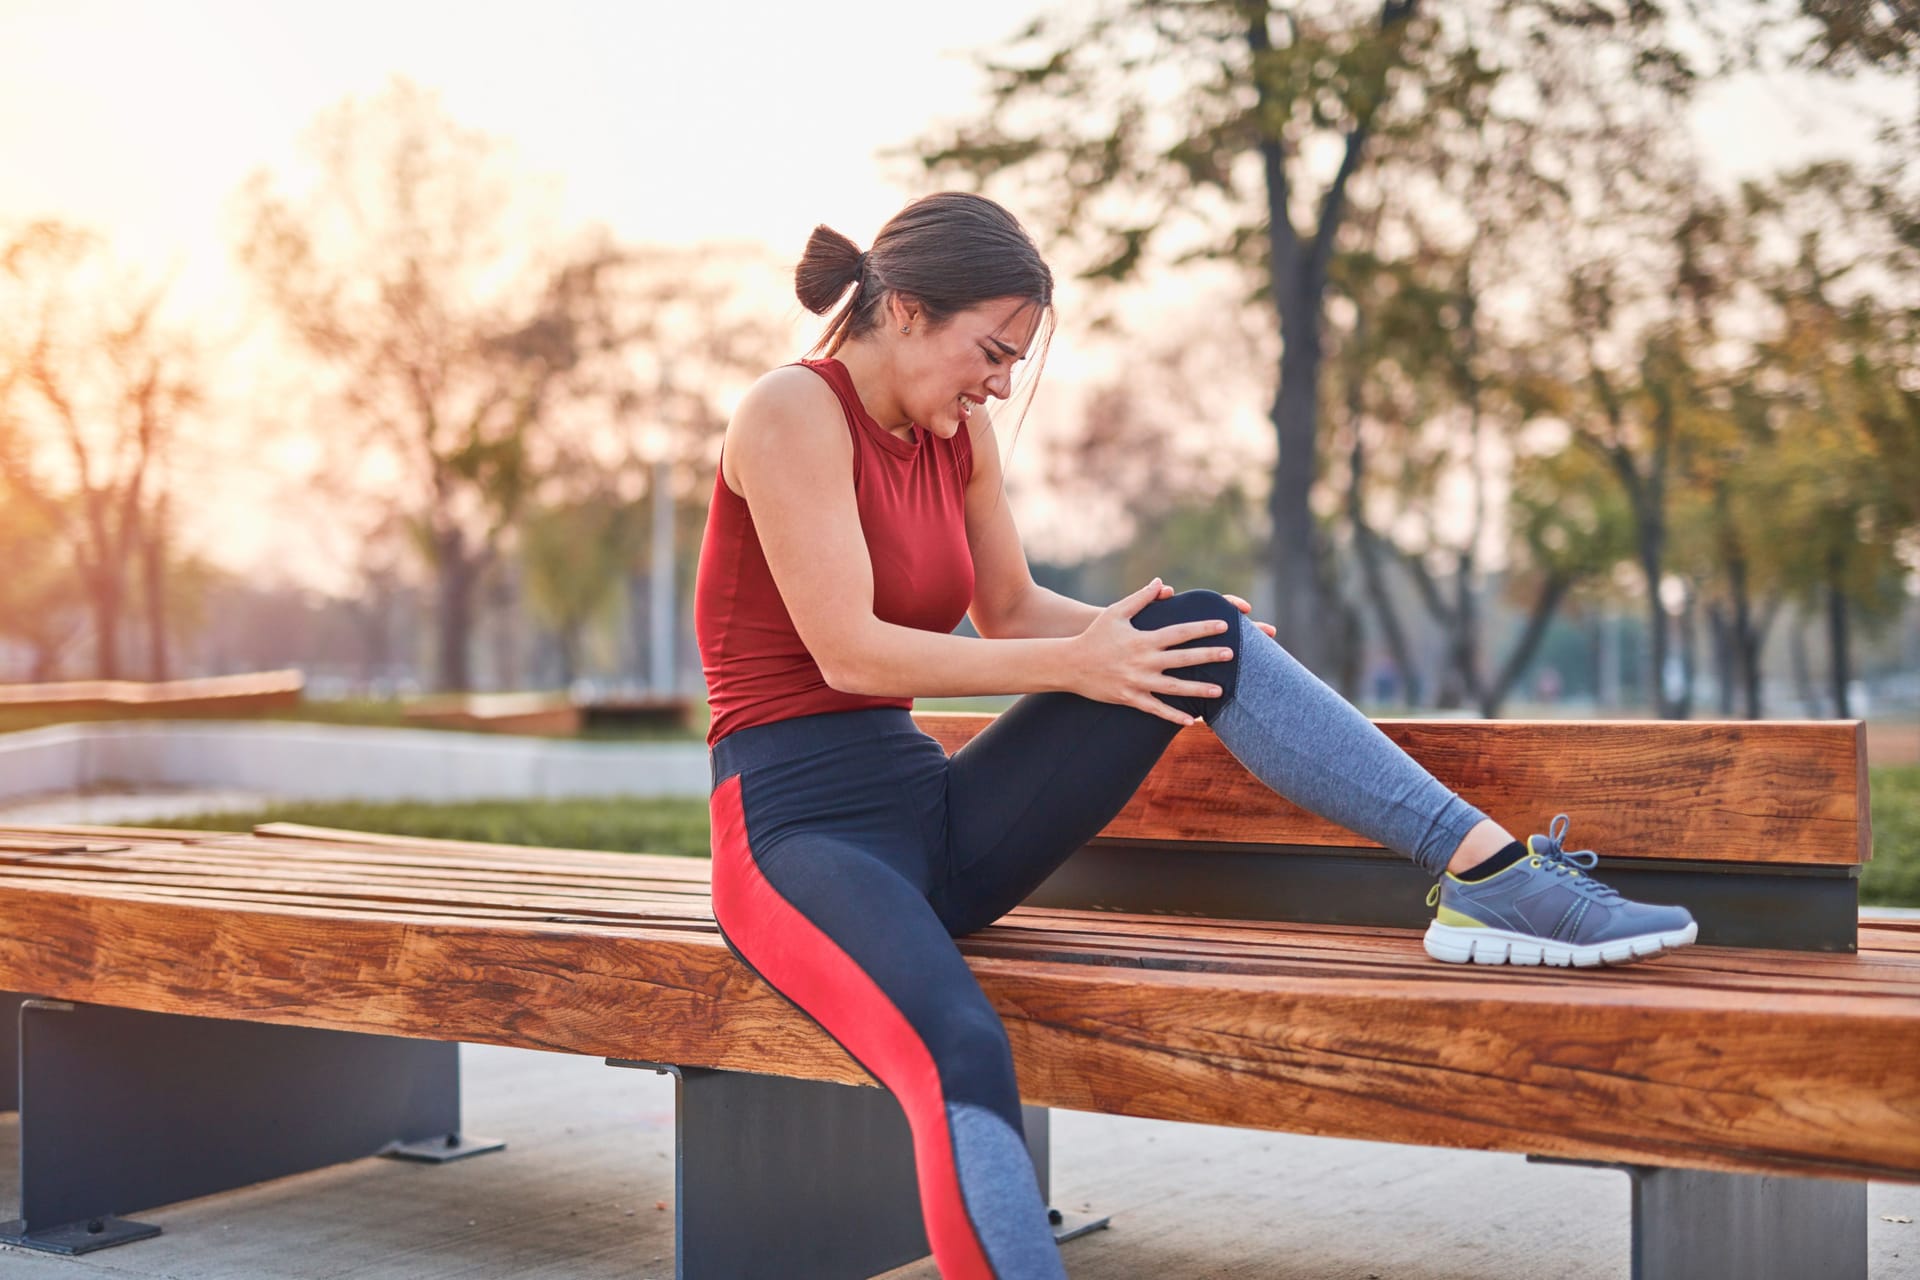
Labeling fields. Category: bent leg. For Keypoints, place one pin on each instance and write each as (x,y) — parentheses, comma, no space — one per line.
(855,945)
(1052,770)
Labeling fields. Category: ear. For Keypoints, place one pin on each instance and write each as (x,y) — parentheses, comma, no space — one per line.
(905,310)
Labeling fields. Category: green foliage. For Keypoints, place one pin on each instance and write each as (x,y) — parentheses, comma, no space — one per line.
(575,558)
(1892,879)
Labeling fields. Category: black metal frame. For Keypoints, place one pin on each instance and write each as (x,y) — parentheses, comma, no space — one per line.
(10,1003)
(123,1110)
(1693,1224)
(783,1179)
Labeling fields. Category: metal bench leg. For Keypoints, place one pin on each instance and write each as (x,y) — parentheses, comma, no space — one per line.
(10,1050)
(1691,1224)
(122,1110)
(779,1179)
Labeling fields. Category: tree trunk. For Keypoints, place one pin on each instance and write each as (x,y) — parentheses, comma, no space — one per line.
(1466,632)
(567,640)
(153,554)
(454,612)
(106,624)
(1755,642)
(1802,666)
(1656,625)
(1726,661)
(1689,657)
(1300,613)
(1837,634)
(1551,594)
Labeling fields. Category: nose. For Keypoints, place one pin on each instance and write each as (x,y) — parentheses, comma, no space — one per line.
(999,386)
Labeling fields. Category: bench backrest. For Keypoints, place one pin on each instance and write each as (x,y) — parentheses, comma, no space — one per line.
(1759,826)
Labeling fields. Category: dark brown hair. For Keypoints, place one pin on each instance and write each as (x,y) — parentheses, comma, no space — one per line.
(947,252)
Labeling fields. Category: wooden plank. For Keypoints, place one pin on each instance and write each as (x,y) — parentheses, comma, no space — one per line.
(1819,1084)
(1715,791)
(253,691)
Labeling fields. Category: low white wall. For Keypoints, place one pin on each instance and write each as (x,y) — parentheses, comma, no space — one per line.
(340,762)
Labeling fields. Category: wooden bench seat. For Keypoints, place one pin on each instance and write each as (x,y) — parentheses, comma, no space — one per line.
(1794,1064)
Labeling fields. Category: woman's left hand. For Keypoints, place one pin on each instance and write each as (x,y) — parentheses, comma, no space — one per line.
(1167,590)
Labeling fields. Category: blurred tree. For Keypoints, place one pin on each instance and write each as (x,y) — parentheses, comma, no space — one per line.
(93,389)
(1229,129)
(1160,481)
(450,340)
(38,591)
(574,559)
(1841,385)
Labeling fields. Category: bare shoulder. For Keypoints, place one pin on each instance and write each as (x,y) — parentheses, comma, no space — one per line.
(787,414)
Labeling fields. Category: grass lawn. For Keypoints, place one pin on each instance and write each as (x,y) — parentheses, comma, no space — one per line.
(680,827)
(1892,879)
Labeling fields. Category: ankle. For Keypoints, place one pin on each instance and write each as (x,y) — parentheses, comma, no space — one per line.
(1480,844)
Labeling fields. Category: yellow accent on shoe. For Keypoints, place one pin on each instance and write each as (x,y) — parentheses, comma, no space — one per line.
(1433,895)
(1448,915)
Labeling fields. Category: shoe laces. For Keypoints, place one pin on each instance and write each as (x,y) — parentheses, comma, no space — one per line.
(1575,863)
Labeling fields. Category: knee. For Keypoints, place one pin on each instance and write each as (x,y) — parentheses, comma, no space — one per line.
(970,1043)
(1190,606)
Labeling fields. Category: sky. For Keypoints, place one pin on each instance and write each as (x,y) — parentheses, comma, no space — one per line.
(670,123)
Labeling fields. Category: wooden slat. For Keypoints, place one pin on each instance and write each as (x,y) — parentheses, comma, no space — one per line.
(253,691)
(1614,1069)
(1791,792)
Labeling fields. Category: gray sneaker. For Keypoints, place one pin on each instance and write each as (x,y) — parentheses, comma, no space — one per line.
(1546,909)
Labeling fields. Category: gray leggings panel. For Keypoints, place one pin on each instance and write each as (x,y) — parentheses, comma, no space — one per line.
(1315,748)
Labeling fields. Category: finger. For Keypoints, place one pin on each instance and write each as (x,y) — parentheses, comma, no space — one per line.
(1153,706)
(1181,632)
(1237,603)
(1174,658)
(1139,599)
(1188,688)
(1268,628)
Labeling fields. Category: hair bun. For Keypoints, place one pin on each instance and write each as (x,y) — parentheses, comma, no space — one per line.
(831,263)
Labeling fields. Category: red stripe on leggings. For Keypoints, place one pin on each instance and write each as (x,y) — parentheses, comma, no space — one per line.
(800,960)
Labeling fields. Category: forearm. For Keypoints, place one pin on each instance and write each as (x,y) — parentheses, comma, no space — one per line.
(1047,613)
(901,662)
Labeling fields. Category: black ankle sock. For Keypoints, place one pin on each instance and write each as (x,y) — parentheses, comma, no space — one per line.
(1497,863)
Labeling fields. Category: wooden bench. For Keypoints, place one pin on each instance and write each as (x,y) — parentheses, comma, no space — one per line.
(547,715)
(248,694)
(214,1009)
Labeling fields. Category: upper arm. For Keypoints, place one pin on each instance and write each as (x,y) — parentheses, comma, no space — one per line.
(794,460)
(1001,578)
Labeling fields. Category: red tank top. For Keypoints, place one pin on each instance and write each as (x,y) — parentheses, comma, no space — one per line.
(912,501)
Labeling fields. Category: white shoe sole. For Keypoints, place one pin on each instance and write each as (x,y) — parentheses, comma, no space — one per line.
(1457,945)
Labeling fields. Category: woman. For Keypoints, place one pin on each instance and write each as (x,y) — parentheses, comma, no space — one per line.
(858,515)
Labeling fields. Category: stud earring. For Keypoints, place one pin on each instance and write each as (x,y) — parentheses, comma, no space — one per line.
(906,329)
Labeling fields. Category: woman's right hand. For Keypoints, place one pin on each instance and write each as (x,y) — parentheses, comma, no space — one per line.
(1118,662)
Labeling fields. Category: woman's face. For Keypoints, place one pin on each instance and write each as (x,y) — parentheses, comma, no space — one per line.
(951,370)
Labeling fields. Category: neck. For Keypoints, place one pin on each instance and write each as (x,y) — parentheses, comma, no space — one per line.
(874,378)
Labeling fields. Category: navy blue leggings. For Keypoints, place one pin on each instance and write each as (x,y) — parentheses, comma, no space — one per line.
(849,852)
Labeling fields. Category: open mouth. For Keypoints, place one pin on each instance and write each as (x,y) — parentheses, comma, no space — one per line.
(966,403)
